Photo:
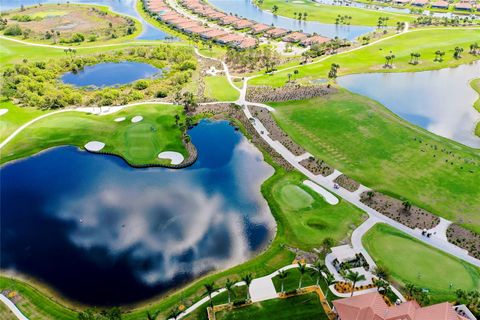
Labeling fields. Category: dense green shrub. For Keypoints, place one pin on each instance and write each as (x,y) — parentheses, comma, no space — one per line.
(141,85)
(14,30)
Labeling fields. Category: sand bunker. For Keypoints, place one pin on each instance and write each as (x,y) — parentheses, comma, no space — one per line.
(175,157)
(120,119)
(137,119)
(94,146)
(3,111)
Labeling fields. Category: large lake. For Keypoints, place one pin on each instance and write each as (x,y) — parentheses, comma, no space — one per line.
(126,7)
(440,101)
(103,233)
(111,74)
(247,9)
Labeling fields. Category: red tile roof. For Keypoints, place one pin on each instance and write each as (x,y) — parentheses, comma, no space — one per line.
(260,27)
(277,32)
(295,36)
(241,24)
(315,40)
(440,4)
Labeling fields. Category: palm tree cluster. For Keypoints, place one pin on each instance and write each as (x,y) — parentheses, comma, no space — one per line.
(300,16)
(439,56)
(274,8)
(400,26)
(457,54)
(417,293)
(382,22)
(389,61)
(343,20)
(332,74)
(414,56)
(469,298)
(474,48)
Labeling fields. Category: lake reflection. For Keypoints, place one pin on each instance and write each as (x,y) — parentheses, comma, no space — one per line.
(104,233)
(440,101)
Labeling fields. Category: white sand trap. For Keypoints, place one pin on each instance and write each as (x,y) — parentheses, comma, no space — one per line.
(137,119)
(176,157)
(3,111)
(94,146)
(120,119)
(298,1)
(330,198)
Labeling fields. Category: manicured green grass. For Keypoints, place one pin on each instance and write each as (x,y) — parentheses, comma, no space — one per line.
(328,14)
(35,304)
(409,260)
(372,58)
(299,307)
(366,141)
(218,88)
(476,86)
(5,313)
(138,143)
(307,218)
(15,117)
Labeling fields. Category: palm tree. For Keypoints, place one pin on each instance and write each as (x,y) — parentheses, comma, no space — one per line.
(174,313)
(248,280)
(380,284)
(354,277)
(302,268)
(229,287)
(289,77)
(282,275)
(152,316)
(329,279)
(274,8)
(210,288)
(319,267)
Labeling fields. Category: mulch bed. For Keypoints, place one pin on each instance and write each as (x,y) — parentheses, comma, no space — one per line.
(316,166)
(465,239)
(394,209)
(275,132)
(287,92)
(347,183)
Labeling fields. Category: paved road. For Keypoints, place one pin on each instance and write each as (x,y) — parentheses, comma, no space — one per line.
(10,305)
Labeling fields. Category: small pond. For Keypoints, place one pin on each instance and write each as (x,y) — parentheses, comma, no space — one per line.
(111,73)
(126,7)
(247,9)
(440,101)
(103,233)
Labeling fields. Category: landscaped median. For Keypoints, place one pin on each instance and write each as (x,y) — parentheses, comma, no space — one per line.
(411,261)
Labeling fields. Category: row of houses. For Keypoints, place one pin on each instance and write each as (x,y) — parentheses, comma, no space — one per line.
(195,28)
(462,5)
(202,9)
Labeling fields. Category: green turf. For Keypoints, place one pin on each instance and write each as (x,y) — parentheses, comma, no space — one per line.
(476,86)
(369,143)
(299,307)
(307,218)
(138,143)
(218,88)
(5,313)
(15,117)
(328,13)
(409,260)
(372,58)
(294,197)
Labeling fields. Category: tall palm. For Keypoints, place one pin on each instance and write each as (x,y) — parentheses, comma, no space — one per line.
(174,313)
(248,280)
(210,288)
(282,275)
(152,315)
(229,287)
(354,277)
(329,279)
(302,268)
(318,267)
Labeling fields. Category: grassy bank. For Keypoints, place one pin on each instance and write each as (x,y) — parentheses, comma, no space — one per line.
(302,307)
(371,58)
(328,13)
(218,88)
(15,117)
(369,143)
(138,143)
(434,270)
(476,86)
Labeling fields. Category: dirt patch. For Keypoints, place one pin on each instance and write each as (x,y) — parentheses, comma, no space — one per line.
(465,239)
(317,166)
(58,23)
(347,183)
(287,92)
(222,111)
(412,217)
(274,130)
